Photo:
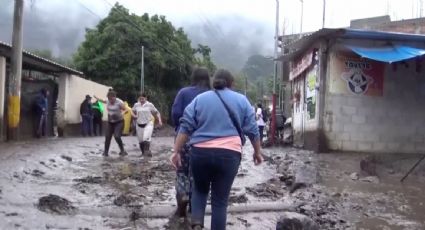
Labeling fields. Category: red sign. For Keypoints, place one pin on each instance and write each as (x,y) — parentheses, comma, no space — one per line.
(301,65)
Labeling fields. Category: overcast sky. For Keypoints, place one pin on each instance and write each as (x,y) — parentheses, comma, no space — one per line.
(338,12)
(234,28)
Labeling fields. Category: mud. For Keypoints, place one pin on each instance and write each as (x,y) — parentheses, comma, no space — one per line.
(135,192)
(56,205)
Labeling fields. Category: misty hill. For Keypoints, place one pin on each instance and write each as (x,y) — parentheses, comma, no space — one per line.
(60,28)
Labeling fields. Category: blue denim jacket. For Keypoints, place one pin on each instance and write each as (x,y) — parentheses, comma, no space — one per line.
(206,118)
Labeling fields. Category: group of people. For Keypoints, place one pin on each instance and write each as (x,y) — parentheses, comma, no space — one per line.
(211,124)
(91,117)
(144,113)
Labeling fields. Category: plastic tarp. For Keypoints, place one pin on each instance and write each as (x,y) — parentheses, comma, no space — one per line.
(393,53)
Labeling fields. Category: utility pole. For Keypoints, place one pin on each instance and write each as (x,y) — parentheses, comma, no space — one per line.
(142,72)
(273,122)
(14,80)
(324,13)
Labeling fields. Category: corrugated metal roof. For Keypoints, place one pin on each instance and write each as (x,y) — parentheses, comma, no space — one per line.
(48,64)
(299,46)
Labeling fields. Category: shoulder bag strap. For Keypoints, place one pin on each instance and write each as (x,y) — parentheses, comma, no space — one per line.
(233,118)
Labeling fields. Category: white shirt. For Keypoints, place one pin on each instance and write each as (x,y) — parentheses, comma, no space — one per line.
(259,115)
(114,110)
(144,112)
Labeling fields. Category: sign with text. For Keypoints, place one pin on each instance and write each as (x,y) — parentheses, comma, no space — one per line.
(351,74)
(300,65)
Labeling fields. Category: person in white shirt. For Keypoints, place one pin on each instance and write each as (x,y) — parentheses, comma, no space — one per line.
(145,114)
(260,121)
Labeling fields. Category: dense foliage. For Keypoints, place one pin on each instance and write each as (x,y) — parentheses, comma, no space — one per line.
(111,55)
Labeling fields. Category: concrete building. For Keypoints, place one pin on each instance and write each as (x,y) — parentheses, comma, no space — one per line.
(357,90)
(67,90)
(384,23)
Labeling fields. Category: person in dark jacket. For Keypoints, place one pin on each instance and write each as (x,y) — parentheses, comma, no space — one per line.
(86,113)
(200,83)
(41,107)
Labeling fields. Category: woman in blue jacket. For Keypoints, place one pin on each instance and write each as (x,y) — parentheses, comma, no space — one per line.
(216,136)
(200,83)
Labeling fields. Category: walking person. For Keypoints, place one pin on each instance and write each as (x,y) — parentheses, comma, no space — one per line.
(98,110)
(86,113)
(200,83)
(145,114)
(115,108)
(41,109)
(261,123)
(216,123)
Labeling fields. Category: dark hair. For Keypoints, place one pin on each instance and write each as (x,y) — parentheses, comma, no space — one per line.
(259,105)
(201,78)
(143,94)
(111,93)
(44,91)
(222,79)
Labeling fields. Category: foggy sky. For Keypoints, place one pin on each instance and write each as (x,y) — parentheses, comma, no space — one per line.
(61,28)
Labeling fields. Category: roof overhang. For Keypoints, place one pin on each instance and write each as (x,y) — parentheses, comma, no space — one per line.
(300,46)
(34,62)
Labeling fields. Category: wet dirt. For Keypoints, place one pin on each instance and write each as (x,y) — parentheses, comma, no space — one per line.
(56,205)
(122,192)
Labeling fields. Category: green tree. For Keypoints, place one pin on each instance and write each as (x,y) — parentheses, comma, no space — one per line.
(258,66)
(111,55)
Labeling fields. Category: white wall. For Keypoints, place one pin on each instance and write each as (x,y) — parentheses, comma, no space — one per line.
(72,92)
(393,122)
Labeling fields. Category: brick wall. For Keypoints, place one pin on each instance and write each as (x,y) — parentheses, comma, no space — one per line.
(394,122)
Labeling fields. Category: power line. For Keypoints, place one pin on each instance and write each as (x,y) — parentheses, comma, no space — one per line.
(89,10)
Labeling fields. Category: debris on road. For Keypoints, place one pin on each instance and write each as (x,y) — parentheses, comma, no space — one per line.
(56,205)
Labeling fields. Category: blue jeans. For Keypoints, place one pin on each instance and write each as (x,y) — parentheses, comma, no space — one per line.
(86,125)
(216,169)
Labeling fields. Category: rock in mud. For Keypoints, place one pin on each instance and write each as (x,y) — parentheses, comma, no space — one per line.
(12,214)
(123,200)
(135,216)
(287,179)
(371,179)
(90,180)
(354,176)
(56,205)
(66,158)
(295,221)
(238,199)
(37,173)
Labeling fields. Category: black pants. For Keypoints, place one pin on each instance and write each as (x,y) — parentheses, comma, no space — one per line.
(114,129)
(261,130)
(97,125)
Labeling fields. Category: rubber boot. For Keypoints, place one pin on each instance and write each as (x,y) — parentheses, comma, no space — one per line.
(142,147)
(181,205)
(147,149)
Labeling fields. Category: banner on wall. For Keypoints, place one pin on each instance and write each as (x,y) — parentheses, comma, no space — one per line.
(351,74)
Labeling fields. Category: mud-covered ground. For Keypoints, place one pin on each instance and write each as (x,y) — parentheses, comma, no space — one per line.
(67,184)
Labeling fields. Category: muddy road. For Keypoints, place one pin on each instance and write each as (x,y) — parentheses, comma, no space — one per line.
(67,184)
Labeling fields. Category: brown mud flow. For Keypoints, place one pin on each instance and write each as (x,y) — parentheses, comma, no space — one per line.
(67,184)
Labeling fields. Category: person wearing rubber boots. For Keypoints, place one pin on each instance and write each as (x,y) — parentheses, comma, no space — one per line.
(145,114)
(200,83)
